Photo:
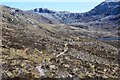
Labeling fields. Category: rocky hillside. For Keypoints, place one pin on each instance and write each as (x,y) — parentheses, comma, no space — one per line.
(101,14)
(33,46)
(106,9)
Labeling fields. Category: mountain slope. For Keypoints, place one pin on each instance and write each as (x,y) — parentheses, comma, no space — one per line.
(29,40)
(101,14)
(106,9)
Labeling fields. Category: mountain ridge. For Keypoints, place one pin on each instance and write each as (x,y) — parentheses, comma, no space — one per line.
(104,10)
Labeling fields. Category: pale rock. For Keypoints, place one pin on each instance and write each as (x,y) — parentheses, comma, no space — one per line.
(52,66)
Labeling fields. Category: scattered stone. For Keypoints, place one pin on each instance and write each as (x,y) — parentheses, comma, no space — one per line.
(66,66)
(52,67)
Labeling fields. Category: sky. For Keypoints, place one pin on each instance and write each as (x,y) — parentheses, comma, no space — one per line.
(57,5)
(52,0)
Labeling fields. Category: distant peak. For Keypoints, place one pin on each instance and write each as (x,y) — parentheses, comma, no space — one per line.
(112,0)
(43,10)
